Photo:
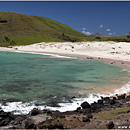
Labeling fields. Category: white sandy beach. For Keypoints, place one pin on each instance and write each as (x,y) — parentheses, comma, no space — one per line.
(110,50)
(116,53)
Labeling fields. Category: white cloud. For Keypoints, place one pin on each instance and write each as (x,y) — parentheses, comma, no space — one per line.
(83,28)
(108,30)
(86,33)
(101,26)
(114,33)
(110,33)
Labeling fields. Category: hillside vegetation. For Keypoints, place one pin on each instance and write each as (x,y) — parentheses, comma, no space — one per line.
(25,29)
(21,29)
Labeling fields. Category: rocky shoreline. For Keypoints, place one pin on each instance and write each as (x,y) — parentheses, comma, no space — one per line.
(87,116)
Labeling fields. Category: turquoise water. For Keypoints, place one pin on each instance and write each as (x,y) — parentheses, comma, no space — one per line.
(49,80)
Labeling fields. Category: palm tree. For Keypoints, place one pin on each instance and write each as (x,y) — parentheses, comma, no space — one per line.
(7,40)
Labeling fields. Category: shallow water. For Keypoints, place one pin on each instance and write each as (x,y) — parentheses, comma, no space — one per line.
(49,80)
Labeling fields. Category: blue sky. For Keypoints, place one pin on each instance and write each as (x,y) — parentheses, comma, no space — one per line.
(112,18)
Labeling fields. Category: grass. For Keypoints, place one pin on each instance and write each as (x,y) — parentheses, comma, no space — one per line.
(116,113)
(25,29)
(61,28)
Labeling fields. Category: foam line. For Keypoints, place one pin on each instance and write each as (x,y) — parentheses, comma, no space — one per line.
(47,54)
(25,108)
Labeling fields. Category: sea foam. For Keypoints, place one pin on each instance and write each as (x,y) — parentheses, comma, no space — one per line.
(45,54)
(24,108)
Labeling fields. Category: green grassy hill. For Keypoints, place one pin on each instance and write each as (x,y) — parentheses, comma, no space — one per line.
(21,29)
(26,29)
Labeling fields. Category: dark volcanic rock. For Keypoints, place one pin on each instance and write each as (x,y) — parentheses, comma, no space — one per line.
(46,111)
(4,114)
(73,97)
(96,106)
(28,124)
(110,125)
(100,101)
(85,111)
(121,97)
(114,98)
(90,116)
(58,125)
(18,120)
(78,109)
(85,105)
(106,99)
(59,120)
(5,118)
(118,105)
(34,112)
(58,115)
(5,122)
(128,98)
(85,119)
(111,102)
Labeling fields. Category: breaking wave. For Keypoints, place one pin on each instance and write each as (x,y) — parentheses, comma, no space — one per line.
(24,108)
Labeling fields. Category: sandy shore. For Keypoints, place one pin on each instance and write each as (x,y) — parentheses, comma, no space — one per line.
(116,53)
(109,52)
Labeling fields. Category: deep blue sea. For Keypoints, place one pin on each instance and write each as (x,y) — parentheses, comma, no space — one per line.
(28,80)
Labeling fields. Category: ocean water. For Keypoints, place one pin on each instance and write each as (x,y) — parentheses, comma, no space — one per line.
(50,81)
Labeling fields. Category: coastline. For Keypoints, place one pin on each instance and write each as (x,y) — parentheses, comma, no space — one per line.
(84,50)
(106,113)
(108,52)
(35,117)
